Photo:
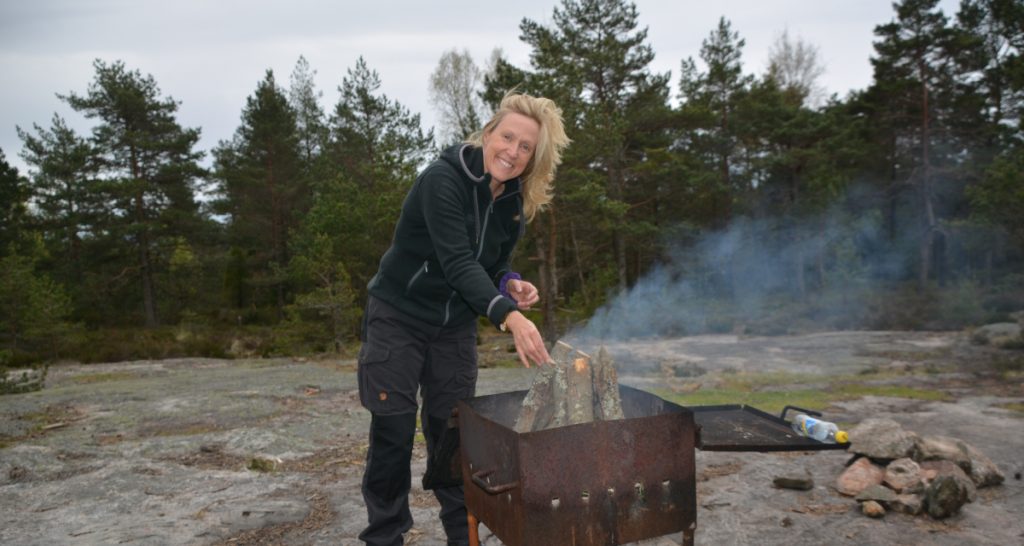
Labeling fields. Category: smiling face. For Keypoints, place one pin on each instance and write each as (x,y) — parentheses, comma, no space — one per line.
(509,146)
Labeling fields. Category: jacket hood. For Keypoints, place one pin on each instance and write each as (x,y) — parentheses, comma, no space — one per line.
(469,160)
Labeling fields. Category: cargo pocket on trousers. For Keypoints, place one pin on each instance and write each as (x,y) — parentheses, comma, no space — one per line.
(375,381)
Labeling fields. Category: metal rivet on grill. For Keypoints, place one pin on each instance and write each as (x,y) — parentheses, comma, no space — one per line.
(555,502)
(611,491)
(665,484)
(585,496)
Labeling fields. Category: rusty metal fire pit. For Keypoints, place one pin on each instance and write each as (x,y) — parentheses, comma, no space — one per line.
(604,482)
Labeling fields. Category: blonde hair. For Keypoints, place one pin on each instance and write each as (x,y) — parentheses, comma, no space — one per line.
(539,174)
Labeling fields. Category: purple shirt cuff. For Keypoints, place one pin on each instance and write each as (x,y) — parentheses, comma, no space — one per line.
(503,284)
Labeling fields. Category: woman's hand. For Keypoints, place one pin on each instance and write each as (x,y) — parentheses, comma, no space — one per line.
(523,292)
(529,343)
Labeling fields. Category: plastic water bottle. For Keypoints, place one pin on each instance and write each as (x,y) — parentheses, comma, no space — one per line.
(822,431)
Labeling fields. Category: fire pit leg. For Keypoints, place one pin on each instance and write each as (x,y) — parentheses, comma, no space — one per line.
(474,529)
(687,536)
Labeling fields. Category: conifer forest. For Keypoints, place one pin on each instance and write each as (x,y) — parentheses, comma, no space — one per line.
(726,202)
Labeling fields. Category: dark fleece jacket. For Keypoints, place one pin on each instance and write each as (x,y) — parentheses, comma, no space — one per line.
(452,243)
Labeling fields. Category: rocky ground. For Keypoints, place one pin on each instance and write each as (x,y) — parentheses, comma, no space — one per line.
(199,451)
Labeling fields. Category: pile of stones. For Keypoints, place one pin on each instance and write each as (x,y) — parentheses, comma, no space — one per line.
(897,470)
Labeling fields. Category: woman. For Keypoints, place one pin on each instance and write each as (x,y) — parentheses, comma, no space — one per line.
(447,265)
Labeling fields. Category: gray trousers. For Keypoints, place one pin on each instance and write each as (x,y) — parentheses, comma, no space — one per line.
(401,356)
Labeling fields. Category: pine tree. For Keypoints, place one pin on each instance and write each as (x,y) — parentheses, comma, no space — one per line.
(263,189)
(65,189)
(594,62)
(988,45)
(709,103)
(149,169)
(304,98)
(914,76)
(990,34)
(501,77)
(14,194)
(33,308)
(376,148)
(375,140)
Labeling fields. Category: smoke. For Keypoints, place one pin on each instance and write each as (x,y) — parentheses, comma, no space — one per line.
(760,276)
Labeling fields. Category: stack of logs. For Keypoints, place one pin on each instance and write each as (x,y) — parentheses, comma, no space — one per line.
(573,389)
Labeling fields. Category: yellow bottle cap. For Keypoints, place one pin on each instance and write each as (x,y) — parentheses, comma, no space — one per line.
(842,437)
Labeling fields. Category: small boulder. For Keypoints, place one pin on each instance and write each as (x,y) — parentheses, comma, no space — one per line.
(931,448)
(879,493)
(859,476)
(983,471)
(872,509)
(903,475)
(800,480)
(944,497)
(881,438)
(997,334)
(907,504)
(948,469)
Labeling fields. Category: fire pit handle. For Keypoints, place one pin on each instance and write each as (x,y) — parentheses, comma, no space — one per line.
(479,478)
(812,413)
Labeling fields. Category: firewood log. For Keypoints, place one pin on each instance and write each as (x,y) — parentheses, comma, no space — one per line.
(573,389)
(607,402)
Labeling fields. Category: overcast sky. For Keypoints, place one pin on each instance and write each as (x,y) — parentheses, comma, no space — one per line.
(210,54)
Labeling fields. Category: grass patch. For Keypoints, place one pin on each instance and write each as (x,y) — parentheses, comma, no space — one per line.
(854,391)
(905,356)
(756,381)
(1017,407)
(103,377)
(748,390)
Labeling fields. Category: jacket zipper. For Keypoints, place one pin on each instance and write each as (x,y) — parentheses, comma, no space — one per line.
(419,273)
(483,231)
(448,309)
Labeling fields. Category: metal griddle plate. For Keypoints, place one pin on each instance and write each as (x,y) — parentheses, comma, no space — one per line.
(738,427)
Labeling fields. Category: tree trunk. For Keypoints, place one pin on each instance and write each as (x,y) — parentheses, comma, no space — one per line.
(548,276)
(927,240)
(277,233)
(142,240)
(620,260)
(579,264)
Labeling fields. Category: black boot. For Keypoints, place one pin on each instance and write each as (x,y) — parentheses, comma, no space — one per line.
(453,503)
